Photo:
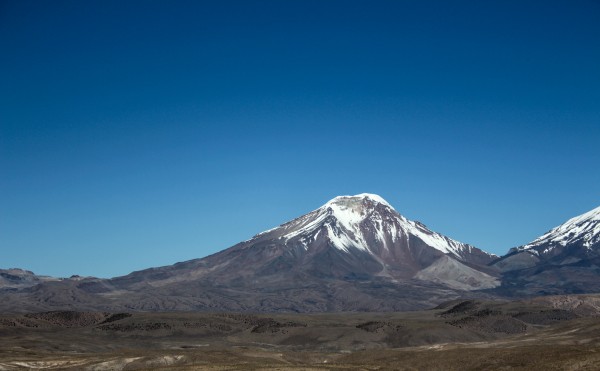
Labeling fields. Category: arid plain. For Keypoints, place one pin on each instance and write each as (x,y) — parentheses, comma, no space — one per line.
(559,332)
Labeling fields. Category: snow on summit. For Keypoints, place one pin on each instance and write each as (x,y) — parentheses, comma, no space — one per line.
(362,196)
(364,222)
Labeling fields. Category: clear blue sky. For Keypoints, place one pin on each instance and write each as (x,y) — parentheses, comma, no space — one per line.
(138,134)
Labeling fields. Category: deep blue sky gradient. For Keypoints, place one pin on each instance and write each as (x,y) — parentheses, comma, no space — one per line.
(138,134)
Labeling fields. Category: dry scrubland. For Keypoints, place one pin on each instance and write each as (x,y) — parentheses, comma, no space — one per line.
(461,335)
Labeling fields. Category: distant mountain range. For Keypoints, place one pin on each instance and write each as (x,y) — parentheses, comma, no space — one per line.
(355,253)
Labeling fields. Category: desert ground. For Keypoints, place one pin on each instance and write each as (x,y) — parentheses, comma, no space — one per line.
(561,333)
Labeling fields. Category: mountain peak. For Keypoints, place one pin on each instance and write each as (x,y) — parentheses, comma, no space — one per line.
(368,223)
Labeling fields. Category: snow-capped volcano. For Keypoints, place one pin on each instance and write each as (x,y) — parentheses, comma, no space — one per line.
(368,223)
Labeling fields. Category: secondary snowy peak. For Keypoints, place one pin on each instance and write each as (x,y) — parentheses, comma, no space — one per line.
(583,229)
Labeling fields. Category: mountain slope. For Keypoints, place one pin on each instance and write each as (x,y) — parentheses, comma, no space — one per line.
(453,273)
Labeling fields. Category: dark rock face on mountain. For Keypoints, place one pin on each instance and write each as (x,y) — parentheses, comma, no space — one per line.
(354,253)
(566,259)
